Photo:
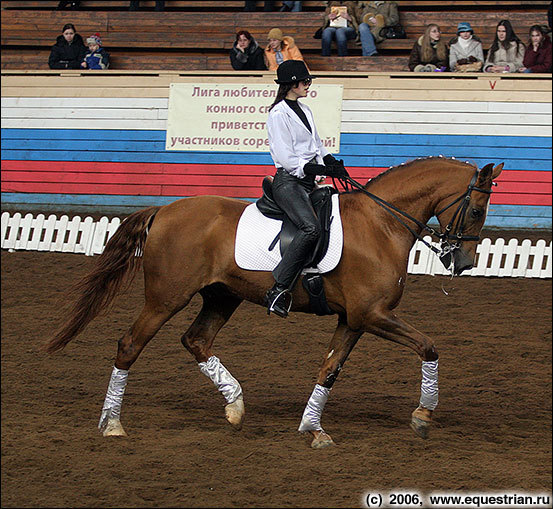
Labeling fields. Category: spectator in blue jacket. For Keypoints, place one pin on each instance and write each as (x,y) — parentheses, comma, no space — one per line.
(96,57)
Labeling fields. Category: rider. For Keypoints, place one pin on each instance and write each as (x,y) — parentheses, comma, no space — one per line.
(298,155)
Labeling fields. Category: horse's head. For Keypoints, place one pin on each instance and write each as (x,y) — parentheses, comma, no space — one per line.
(462,220)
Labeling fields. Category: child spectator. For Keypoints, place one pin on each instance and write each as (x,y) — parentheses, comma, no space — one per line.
(280,49)
(429,52)
(69,50)
(465,50)
(507,50)
(97,57)
(246,55)
(537,57)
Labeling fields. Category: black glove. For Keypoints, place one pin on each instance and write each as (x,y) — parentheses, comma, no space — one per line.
(462,61)
(338,166)
(320,169)
(472,59)
(340,163)
(329,160)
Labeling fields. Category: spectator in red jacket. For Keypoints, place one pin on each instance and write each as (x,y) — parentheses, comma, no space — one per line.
(537,57)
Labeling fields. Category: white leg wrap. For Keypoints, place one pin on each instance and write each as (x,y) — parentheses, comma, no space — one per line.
(429,385)
(227,385)
(114,396)
(311,420)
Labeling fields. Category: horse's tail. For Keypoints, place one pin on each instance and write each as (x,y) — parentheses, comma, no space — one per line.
(117,265)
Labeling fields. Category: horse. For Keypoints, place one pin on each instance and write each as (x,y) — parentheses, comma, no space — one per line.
(187,247)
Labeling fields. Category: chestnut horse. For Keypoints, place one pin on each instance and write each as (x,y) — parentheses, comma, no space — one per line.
(187,247)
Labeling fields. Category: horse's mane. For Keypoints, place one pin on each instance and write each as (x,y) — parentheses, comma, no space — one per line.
(406,164)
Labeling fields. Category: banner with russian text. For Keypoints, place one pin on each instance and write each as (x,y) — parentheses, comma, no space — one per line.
(232,118)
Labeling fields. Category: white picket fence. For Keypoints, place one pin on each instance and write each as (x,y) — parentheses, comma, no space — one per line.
(62,235)
(86,236)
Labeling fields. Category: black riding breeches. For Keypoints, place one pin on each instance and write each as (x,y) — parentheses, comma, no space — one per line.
(292,195)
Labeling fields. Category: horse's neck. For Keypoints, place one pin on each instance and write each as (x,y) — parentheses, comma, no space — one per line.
(417,188)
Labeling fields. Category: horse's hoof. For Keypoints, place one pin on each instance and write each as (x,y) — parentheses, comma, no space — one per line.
(421,420)
(321,440)
(114,429)
(234,412)
(420,427)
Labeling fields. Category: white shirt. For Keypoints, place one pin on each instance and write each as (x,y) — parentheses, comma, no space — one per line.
(290,142)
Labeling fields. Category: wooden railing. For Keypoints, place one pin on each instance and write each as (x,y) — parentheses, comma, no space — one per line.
(195,40)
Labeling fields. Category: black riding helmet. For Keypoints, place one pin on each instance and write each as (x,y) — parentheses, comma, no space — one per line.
(291,71)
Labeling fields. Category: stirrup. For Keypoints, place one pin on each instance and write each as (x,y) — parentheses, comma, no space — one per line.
(279,302)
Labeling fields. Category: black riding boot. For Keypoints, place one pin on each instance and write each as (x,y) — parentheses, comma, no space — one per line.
(278,300)
(292,194)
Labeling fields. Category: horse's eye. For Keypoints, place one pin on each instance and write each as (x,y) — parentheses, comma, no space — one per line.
(476,213)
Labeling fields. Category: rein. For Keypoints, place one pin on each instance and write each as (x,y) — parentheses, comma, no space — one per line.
(453,230)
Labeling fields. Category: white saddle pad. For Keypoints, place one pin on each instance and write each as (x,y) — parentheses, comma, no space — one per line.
(255,232)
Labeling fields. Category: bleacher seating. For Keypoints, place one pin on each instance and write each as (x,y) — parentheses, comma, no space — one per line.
(198,34)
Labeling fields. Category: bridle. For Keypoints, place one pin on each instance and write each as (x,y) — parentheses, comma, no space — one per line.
(451,236)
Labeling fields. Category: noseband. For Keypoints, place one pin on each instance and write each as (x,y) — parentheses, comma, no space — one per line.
(453,230)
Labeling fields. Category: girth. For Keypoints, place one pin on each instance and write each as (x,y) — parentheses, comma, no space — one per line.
(322,204)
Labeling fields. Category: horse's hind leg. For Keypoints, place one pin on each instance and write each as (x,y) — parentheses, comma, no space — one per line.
(128,349)
(217,308)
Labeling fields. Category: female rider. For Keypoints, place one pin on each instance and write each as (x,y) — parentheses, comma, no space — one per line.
(298,155)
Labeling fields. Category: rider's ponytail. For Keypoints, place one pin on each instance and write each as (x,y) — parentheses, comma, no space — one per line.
(283,90)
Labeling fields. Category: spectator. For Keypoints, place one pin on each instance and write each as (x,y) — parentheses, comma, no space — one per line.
(507,50)
(429,52)
(376,16)
(537,57)
(160,5)
(465,50)
(292,6)
(69,50)
(97,57)
(246,55)
(280,49)
(72,5)
(268,5)
(342,34)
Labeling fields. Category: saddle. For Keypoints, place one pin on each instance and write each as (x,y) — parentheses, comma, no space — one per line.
(322,204)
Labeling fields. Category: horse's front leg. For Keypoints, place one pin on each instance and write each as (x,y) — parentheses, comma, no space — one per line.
(342,343)
(388,326)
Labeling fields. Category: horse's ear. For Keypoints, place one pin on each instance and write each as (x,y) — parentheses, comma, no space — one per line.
(497,171)
(488,172)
